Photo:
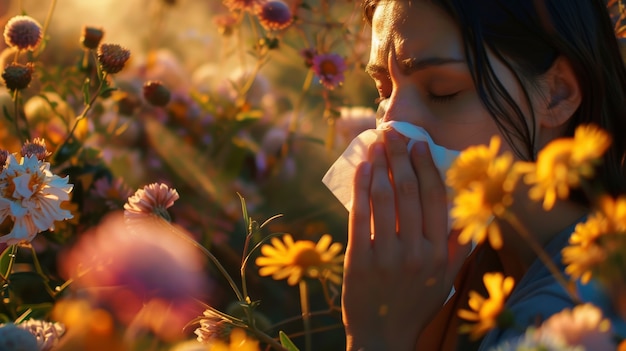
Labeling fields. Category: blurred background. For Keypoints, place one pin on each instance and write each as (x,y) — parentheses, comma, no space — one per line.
(249,112)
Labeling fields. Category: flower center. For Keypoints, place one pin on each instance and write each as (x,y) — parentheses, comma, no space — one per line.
(328,68)
(306,256)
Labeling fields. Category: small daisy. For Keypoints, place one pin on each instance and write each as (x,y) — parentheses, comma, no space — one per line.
(294,260)
(152,199)
(330,69)
(486,311)
(563,162)
(485,182)
(597,247)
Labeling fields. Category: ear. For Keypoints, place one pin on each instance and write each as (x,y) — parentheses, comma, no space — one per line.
(562,92)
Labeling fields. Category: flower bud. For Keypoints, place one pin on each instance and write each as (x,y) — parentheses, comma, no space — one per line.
(17,76)
(35,148)
(91,37)
(156,94)
(23,32)
(274,15)
(112,57)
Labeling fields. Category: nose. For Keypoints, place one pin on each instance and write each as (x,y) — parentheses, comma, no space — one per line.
(405,103)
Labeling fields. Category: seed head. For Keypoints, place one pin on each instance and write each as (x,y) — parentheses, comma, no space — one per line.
(274,15)
(112,57)
(23,32)
(91,37)
(37,148)
(156,94)
(17,76)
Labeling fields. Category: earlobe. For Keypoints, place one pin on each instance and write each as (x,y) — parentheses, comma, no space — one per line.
(563,93)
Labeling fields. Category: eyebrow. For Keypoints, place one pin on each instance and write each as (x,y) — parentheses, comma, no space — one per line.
(411,65)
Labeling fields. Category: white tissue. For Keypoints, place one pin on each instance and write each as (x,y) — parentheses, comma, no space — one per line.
(340,176)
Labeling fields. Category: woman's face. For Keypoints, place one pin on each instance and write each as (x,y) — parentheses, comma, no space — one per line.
(420,70)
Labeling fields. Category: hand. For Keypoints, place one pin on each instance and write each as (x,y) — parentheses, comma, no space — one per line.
(400,261)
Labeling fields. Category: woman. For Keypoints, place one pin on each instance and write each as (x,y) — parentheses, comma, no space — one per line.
(528,71)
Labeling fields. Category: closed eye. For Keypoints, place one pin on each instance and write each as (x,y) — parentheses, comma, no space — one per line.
(441,99)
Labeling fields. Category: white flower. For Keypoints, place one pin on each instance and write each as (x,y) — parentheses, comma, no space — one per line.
(47,334)
(31,195)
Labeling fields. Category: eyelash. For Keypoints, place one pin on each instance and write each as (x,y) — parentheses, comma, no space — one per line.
(439,99)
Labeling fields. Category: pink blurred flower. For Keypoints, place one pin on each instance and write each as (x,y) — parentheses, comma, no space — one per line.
(329,68)
(152,199)
(583,325)
(134,271)
(31,195)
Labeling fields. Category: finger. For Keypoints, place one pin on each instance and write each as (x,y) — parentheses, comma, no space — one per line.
(359,242)
(382,200)
(406,188)
(457,255)
(432,196)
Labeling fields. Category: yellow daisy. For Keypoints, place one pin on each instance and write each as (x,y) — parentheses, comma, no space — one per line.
(239,341)
(598,246)
(293,260)
(472,164)
(486,311)
(562,163)
(485,197)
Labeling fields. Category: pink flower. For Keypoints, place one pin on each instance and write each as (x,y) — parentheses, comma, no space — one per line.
(329,68)
(126,268)
(583,325)
(152,199)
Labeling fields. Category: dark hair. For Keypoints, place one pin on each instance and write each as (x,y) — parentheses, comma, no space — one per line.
(527,36)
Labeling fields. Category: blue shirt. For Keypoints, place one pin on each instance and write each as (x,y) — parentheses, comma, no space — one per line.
(538,296)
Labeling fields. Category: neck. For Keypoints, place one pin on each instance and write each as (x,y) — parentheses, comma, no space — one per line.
(541,226)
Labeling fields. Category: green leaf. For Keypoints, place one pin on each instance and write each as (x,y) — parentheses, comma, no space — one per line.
(286,342)
(5,257)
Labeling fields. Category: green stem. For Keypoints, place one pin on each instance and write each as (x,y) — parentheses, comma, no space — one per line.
(207,253)
(306,315)
(16,115)
(84,113)
(46,24)
(569,287)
